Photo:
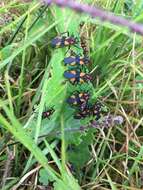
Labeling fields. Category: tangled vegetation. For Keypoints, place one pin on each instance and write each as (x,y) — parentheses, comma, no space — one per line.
(70,97)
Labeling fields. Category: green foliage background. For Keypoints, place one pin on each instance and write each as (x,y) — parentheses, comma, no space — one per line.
(31,76)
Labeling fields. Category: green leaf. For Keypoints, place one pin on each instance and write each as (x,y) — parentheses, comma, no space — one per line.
(69,183)
(44,177)
(80,154)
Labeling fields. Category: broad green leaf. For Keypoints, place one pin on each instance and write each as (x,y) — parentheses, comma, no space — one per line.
(44,177)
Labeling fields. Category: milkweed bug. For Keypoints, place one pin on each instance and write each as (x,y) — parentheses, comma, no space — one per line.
(96,110)
(90,110)
(76,76)
(63,41)
(48,113)
(76,60)
(83,113)
(79,99)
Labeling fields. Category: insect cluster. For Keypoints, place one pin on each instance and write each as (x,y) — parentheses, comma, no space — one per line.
(80,101)
(76,63)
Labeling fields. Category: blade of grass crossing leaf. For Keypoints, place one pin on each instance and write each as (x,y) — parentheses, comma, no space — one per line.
(53,154)
(23,137)
(28,164)
(42,102)
(31,161)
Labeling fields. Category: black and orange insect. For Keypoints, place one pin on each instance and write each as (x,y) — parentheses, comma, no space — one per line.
(94,110)
(64,41)
(48,113)
(79,99)
(76,76)
(81,114)
(75,60)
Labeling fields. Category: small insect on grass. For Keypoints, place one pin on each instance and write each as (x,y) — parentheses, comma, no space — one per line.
(48,113)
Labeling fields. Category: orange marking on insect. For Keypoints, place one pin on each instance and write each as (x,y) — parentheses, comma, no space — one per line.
(72,79)
(73,72)
(58,44)
(82,74)
(81,62)
(73,63)
(66,43)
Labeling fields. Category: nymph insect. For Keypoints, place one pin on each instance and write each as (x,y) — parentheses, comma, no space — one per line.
(76,76)
(48,113)
(63,41)
(75,60)
(79,99)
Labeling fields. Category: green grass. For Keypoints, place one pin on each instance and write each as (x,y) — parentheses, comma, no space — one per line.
(55,153)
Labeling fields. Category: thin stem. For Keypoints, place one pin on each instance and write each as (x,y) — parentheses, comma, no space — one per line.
(96,12)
